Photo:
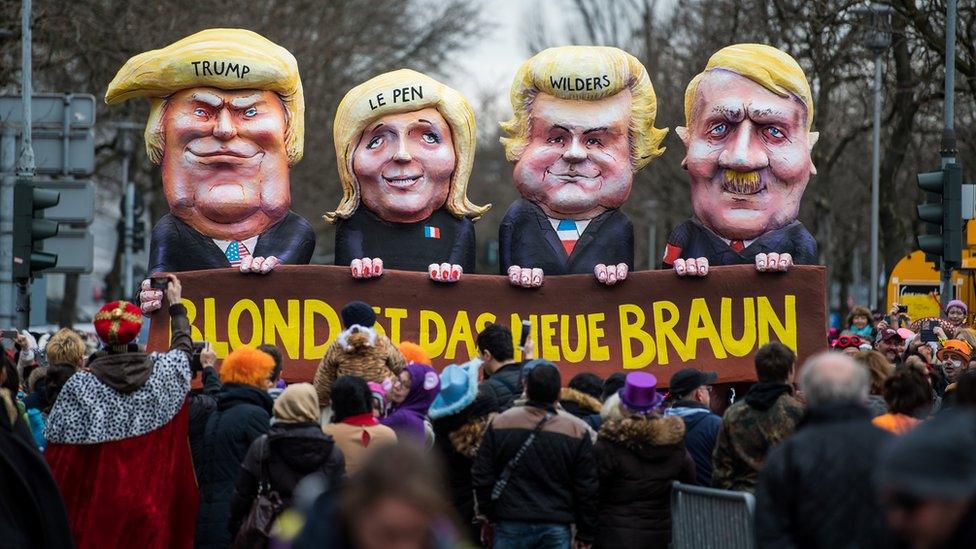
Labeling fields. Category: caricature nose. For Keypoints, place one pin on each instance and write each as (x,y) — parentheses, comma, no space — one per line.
(744,152)
(402,154)
(576,152)
(225,129)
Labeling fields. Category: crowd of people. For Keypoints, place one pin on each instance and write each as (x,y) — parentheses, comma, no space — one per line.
(871,444)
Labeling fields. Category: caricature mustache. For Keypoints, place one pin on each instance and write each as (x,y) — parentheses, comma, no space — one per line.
(744,183)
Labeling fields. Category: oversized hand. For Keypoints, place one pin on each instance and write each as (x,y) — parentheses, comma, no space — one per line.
(366,268)
(445,272)
(259,265)
(150,300)
(773,262)
(610,274)
(694,266)
(525,277)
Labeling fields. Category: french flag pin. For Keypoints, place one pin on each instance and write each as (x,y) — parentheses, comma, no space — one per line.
(432,232)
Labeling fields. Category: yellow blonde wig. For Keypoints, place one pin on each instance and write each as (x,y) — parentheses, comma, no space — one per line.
(247,366)
(765,65)
(65,347)
(227,59)
(397,92)
(588,73)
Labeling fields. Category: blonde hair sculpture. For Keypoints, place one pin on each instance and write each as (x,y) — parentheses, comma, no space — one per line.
(765,65)
(247,61)
(593,73)
(360,107)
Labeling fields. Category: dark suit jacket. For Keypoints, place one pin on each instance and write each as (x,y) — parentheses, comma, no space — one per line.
(526,238)
(406,246)
(176,246)
(691,239)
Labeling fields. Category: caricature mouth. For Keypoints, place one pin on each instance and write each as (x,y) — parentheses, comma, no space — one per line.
(573,176)
(403,181)
(223,156)
(743,183)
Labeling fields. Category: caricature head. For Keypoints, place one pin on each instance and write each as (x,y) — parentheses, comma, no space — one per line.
(748,140)
(405,145)
(583,123)
(226,121)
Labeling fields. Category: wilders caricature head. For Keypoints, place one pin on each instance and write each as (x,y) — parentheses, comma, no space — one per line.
(405,145)
(226,121)
(748,140)
(583,123)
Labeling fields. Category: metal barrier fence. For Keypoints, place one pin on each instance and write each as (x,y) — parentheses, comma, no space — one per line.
(707,518)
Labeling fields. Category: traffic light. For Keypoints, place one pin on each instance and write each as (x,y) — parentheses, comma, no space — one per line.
(30,227)
(943,214)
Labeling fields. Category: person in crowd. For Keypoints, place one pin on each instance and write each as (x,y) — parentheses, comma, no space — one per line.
(459,416)
(413,353)
(359,351)
(891,343)
(954,356)
(354,428)
(690,397)
(243,414)
(396,499)
(500,369)
(957,313)
(293,448)
(277,384)
(909,397)
(927,480)
(849,344)
(964,393)
(581,398)
(533,499)
(32,513)
(639,454)
(411,395)
(860,322)
(204,401)
(612,384)
(816,488)
(66,347)
(879,369)
(54,378)
(117,435)
(751,427)
(378,393)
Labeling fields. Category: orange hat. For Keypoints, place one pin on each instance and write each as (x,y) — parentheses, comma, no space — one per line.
(414,353)
(955,347)
(117,323)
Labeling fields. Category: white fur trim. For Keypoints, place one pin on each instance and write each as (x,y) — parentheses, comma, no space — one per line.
(344,336)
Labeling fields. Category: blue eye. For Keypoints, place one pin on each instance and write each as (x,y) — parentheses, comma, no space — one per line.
(374,142)
(200,111)
(593,141)
(431,138)
(720,129)
(557,139)
(251,112)
(774,134)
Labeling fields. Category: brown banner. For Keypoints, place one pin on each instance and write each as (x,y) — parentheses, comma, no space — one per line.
(653,321)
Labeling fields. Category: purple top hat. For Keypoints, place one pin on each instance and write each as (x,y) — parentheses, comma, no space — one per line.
(639,393)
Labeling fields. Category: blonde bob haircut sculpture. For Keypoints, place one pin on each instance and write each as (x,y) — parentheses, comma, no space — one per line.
(361,107)
(226,59)
(765,65)
(604,73)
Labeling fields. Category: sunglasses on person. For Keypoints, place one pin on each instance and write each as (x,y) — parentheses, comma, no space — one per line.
(844,342)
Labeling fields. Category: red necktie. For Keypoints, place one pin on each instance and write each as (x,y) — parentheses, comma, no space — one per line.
(737,245)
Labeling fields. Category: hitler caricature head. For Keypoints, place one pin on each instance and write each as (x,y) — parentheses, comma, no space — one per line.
(226,122)
(405,145)
(583,124)
(748,140)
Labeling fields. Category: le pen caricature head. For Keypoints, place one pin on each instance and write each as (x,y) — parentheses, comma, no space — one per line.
(225,59)
(588,73)
(397,92)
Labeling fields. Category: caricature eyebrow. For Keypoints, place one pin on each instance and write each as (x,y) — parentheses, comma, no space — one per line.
(592,130)
(245,101)
(209,99)
(563,128)
(429,123)
(731,113)
(376,127)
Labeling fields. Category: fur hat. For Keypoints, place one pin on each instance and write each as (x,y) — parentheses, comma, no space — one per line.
(117,323)
(413,353)
(459,387)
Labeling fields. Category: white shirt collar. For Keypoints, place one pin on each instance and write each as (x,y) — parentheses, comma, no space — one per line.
(249,243)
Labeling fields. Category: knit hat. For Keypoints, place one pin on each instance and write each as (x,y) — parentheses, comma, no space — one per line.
(957,303)
(298,403)
(358,313)
(117,323)
(639,393)
(459,387)
(936,459)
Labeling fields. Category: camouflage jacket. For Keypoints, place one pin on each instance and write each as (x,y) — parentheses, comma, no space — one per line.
(746,436)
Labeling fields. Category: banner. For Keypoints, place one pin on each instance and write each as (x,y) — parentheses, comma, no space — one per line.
(654,321)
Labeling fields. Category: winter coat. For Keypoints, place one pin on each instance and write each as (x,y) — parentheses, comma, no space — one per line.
(456,439)
(877,405)
(357,436)
(360,352)
(202,404)
(701,432)
(750,427)
(556,479)
(638,460)
(582,406)
(293,451)
(243,414)
(817,488)
(407,418)
(504,385)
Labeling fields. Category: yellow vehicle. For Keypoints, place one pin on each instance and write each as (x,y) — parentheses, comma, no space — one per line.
(915,282)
